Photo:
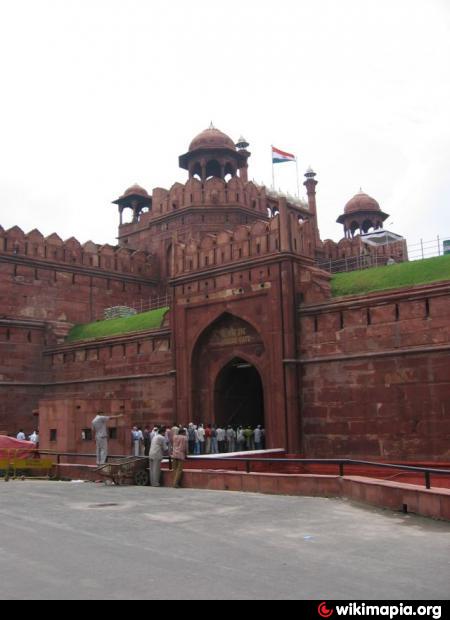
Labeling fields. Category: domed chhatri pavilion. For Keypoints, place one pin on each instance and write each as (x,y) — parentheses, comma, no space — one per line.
(214,154)
(362,213)
(242,327)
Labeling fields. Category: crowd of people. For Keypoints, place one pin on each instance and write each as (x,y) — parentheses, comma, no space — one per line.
(179,442)
(202,439)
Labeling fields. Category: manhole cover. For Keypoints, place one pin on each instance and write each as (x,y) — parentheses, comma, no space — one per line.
(104,505)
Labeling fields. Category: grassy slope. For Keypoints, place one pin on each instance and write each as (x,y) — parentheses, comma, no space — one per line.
(115,327)
(393,276)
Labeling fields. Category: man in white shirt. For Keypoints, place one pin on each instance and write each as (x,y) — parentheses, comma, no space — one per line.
(201,438)
(34,437)
(100,426)
(258,438)
(21,436)
(157,450)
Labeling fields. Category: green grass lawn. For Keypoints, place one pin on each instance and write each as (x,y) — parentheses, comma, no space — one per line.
(393,276)
(117,327)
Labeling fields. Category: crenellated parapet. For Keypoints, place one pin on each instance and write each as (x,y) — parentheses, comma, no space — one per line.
(213,192)
(34,246)
(367,248)
(287,231)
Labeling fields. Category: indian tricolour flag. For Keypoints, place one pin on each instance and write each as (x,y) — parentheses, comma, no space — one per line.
(280,157)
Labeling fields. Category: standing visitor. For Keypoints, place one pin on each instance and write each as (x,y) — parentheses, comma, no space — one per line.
(179,455)
(201,438)
(221,436)
(137,439)
(21,435)
(34,437)
(208,434)
(241,439)
(191,438)
(214,446)
(231,439)
(249,438)
(147,440)
(100,426)
(258,438)
(157,450)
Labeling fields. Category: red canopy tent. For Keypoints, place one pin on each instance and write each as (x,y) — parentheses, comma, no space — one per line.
(10,447)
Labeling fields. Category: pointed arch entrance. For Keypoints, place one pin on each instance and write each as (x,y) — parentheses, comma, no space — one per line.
(239,395)
(228,374)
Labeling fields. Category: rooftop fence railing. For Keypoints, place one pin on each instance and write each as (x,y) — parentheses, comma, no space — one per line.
(137,307)
(420,250)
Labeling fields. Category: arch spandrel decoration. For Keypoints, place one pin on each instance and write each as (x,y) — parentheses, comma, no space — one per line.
(228,337)
(228,331)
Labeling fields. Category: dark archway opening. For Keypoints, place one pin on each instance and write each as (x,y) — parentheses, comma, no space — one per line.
(213,169)
(239,396)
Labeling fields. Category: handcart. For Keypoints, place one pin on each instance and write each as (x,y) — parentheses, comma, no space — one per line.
(126,471)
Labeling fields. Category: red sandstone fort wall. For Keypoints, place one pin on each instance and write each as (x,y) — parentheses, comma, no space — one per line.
(131,374)
(21,372)
(50,280)
(376,376)
(364,376)
(45,286)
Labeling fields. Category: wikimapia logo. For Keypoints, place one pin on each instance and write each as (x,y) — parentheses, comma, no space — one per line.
(324,612)
(389,611)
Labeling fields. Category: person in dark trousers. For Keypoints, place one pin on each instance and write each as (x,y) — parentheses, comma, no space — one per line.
(147,440)
(179,455)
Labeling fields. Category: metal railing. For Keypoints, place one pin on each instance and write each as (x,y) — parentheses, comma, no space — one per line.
(427,249)
(145,305)
(351,263)
(416,251)
(340,463)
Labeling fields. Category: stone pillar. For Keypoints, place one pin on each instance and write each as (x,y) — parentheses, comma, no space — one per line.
(311,185)
(285,233)
(243,174)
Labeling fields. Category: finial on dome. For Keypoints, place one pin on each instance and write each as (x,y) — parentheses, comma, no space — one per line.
(310,174)
(242,144)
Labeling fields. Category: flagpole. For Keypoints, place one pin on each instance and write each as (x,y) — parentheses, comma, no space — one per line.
(298,178)
(273,168)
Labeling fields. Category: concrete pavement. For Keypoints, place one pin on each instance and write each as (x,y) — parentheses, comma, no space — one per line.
(85,541)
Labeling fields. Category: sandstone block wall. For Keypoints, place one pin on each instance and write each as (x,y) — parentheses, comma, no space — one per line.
(376,376)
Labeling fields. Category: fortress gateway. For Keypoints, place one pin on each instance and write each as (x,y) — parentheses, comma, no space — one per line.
(252,334)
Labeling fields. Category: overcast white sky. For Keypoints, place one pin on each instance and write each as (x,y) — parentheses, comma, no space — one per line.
(99,94)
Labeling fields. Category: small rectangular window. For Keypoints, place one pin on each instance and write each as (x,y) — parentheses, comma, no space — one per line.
(53,435)
(86,434)
(112,433)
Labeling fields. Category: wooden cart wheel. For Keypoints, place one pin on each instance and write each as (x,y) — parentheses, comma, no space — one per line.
(141,478)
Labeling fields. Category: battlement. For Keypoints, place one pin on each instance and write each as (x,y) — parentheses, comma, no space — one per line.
(248,242)
(213,192)
(53,249)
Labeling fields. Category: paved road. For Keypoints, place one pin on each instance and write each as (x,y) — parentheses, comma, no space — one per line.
(67,541)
